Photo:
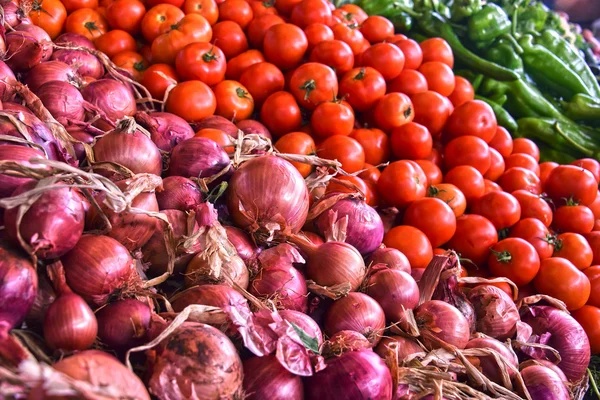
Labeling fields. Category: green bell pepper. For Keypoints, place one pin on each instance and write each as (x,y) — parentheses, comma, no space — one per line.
(488,23)
(461,9)
(532,18)
(402,22)
(503,53)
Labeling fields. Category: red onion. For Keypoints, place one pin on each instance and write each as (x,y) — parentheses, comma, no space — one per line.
(284,285)
(124,145)
(246,249)
(23,51)
(97,266)
(285,203)
(124,324)
(82,134)
(304,322)
(84,63)
(334,263)
(566,336)
(543,383)
(21,154)
(393,258)
(216,122)
(488,364)
(52,225)
(395,291)
(356,312)
(104,372)
(406,347)
(16,107)
(344,341)
(497,315)
(6,78)
(41,36)
(198,158)
(14,14)
(196,359)
(114,98)
(63,100)
(178,193)
(547,364)
(44,297)
(74,39)
(209,295)
(18,287)
(49,71)
(443,322)
(166,130)
(199,271)
(252,127)
(353,375)
(265,378)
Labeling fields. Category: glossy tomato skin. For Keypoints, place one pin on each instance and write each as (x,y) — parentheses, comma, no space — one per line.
(593,274)
(335,54)
(281,114)
(433,217)
(571,182)
(559,278)
(154,79)
(431,111)
(502,141)
(344,149)
(73,5)
(526,146)
(439,76)
(545,169)
(312,84)
(437,49)
(350,35)
(126,15)
(262,79)
(131,62)
(201,61)
(207,8)
(469,180)
(152,3)
(258,27)
(449,194)
(234,102)
(472,118)
(573,218)
(50,15)
(518,178)
(362,88)
(238,11)
(537,234)
(284,45)
(463,92)
(114,42)
(393,110)
(385,58)
(500,208)
(86,22)
(191,28)
(159,19)
(412,243)
(497,166)
(588,317)
(515,259)
(467,150)
(311,12)
(591,165)
(401,183)
(238,65)
(524,161)
(575,248)
(409,82)
(473,238)
(376,29)
(534,206)
(375,143)
(358,13)
(411,141)
(317,33)
(332,118)
(297,143)
(413,55)
(191,100)
(230,38)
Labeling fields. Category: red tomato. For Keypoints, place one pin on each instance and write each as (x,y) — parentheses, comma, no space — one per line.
(463,91)
(73,5)
(571,182)
(313,83)
(234,102)
(217,136)
(411,141)
(258,28)
(50,15)
(591,165)
(362,88)
(317,33)
(433,173)
(502,142)
(437,49)
(490,186)
(159,19)
(344,149)
(285,7)
(588,317)
(191,28)
(500,208)
(468,180)
(359,184)
(522,160)
(297,143)
(154,3)
(430,111)
(439,76)
(191,100)
(560,279)
(593,274)
(520,178)
(474,118)
(534,206)
(238,65)
(238,11)
(593,239)
(450,195)
(574,248)
(260,8)
(515,259)
(433,217)
(332,118)
(393,110)
(473,238)
(497,166)
(370,174)
(114,42)
(131,62)
(357,13)
(435,157)
(311,12)
(230,38)
(262,80)
(376,29)
(157,78)
(526,146)
(545,169)
(573,218)
(413,55)
(86,22)
(335,54)
(467,150)
(534,231)
(409,82)
(385,58)
(280,114)
(401,183)
(284,45)
(126,15)
(201,61)
(375,143)
(412,243)
(207,8)
(350,35)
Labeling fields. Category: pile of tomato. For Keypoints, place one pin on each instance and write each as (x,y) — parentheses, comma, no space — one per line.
(340,84)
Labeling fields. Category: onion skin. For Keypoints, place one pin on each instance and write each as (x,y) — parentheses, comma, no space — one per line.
(286,202)
(393,258)
(239,239)
(265,378)
(124,148)
(395,291)
(103,370)
(443,321)
(543,384)
(23,51)
(198,272)
(497,314)
(306,323)
(406,347)
(210,295)
(63,100)
(197,157)
(21,154)
(81,134)
(18,288)
(84,63)
(47,72)
(197,360)
(216,122)
(96,267)
(124,324)
(252,127)
(52,225)
(14,15)
(284,284)
(353,375)
(547,364)
(40,35)
(6,78)
(365,228)
(70,323)
(166,130)
(356,312)
(344,341)
(178,193)
(74,39)
(488,364)
(333,263)
(567,337)
(112,97)
(44,297)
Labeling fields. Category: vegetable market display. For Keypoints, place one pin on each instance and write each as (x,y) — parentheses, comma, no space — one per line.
(289,200)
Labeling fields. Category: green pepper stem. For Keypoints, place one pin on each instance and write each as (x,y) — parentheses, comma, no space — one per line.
(514,43)
(407,10)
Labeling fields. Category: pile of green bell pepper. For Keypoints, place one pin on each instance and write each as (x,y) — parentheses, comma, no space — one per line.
(521,61)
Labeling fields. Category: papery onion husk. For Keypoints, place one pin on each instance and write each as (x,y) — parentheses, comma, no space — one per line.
(98,266)
(216,122)
(252,127)
(283,284)
(40,35)
(16,107)
(283,207)
(103,371)
(23,51)
(487,364)
(63,100)
(497,314)
(49,71)
(74,39)
(52,225)
(265,378)
(178,193)
(198,158)
(199,271)
(21,154)
(166,130)
(18,287)
(442,321)
(395,291)
(405,347)
(356,312)
(335,263)
(84,63)
(246,249)
(353,375)
(344,341)
(543,384)
(196,359)
(114,98)
(393,258)
(7,76)
(306,323)
(124,323)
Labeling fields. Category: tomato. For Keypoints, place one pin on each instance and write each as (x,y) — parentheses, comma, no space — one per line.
(114,42)
(573,218)
(560,279)
(311,12)
(344,149)
(500,208)
(131,62)
(385,58)
(238,65)
(350,35)
(413,55)
(593,274)
(409,82)
(401,183)
(262,80)
(526,146)
(317,33)
(357,13)
(497,166)
(574,248)
(431,171)
(534,206)
(474,118)
(260,8)
(376,29)
(439,76)
(284,45)
(437,49)
(591,165)
(534,231)
(370,174)
(313,83)
(335,54)
(207,8)
(157,78)
(433,217)
(160,19)
(192,101)
(463,91)
(281,114)
(152,3)
(430,111)
(595,207)
(522,160)
(238,11)
(338,15)
(518,178)
(435,157)
(375,143)
(217,136)
(571,182)
(50,15)
(191,28)
(473,238)
(393,110)
(285,7)
(297,143)
(73,5)
(468,180)
(230,37)
(86,22)
(588,317)
(412,243)
(201,61)
(362,88)
(411,141)
(234,102)
(515,259)
(467,150)
(593,239)
(545,169)
(450,195)
(332,118)
(126,15)
(339,186)
(502,141)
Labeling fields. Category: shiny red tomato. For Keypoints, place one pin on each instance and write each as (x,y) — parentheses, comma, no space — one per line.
(258,27)
(201,61)
(474,118)
(86,22)
(237,65)
(591,165)
(385,58)
(573,218)
(588,317)
(545,169)
(285,6)
(409,82)
(50,15)
(313,83)
(526,146)
(284,45)
(574,248)
(191,100)
(520,178)
(357,13)
(412,243)
(262,79)
(375,143)
(534,206)
(350,35)
(431,111)
(515,259)
(522,160)
(534,231)
(413,55)
(362,88)
(311,12)
(502,141)
(450,195)
(401,183)
(463,91)
(571,182)
(157,78)
(73,5)
(376,29)
(439,76)
(335,54)
(500,208)
(238,11)
(114,42)
(297,143)
(411,141)
(593,239)
(467,150)
(432,172)
(497,166)
(191,28)
(260,8)
(437,49)
(131,62)
(230,38)
(340,185)
(160,19)
(206,8)
(344,149)
(593,274)
(468,180)
(317,33)
(126,15)
(560,279)
(332,118)
(234,102)
(281,114)
(433,217)
(393,110)
(473,238)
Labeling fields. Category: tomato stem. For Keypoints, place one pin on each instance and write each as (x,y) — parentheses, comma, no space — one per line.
(502,256)
(308,87)
(361,75)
